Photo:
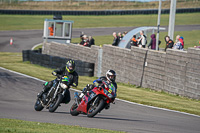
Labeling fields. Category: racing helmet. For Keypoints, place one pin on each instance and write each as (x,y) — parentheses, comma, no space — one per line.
(70,66)
(111,75)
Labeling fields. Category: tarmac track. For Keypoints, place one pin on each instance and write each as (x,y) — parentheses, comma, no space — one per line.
(18,94)
(26,39)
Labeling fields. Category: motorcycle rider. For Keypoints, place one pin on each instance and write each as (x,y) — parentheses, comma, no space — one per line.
(69,71)
(109,78)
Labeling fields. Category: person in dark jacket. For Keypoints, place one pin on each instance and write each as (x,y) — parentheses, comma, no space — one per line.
(115,40)
(169,42)
(153,42)
(91,41)
(134,41)
(120,36)
(69,71)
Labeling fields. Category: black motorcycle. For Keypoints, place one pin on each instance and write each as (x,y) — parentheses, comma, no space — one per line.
(52,99)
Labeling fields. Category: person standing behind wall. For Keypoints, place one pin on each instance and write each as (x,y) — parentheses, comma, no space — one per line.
(91,41)
(120,36)
(142,39)
(115,40)
(169,42)
(153,42)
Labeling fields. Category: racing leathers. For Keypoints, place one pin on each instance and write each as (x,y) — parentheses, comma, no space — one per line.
(97,82)
(73,81)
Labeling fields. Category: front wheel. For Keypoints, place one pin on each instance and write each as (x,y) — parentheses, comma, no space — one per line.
(94,109)
(38,105)
(73,110)
(54,105)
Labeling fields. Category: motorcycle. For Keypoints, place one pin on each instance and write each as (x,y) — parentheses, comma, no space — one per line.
(94,101)
(52,99)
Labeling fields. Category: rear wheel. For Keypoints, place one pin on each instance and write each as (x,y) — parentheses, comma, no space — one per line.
(54,105)
(96,108)
(38,105)
(73,110)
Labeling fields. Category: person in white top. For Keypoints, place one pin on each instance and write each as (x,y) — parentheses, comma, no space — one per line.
(142,41)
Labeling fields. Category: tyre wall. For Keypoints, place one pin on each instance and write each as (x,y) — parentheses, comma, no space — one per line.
(73,51)
(100,12)
(35,57)
(174,71)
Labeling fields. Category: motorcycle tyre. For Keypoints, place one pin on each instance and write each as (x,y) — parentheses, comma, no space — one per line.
(38,107)
(58,101)
(74,112)
(97,110)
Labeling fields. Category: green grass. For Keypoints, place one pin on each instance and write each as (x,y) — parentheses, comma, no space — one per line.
(191,38)
(19,126)
(128,92)
(23,22)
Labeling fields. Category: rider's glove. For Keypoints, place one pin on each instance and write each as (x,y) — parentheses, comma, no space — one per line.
(54,73)
(74,85)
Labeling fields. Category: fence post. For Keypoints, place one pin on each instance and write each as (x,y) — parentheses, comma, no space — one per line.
(100,53)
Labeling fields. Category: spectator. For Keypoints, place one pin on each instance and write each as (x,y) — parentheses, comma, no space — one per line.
(120,36)
(51,29)
(134,41)
(177,38)
(197,46)
(178,45)
(81,38)
(91,41)
(115,40)
(84,41)
(153,42)
(124,33)
(182,41)
(169,42)
(142,41)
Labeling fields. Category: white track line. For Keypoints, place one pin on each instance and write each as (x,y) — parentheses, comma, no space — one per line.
(116,98)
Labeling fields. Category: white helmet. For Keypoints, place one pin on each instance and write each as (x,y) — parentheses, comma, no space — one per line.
(111,75)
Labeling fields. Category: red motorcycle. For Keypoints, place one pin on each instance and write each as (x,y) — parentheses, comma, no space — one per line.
(94,101)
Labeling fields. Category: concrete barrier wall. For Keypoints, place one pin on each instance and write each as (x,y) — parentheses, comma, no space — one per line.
(192,82)
(73,51)
(127,63)
(154,72)
(174,71)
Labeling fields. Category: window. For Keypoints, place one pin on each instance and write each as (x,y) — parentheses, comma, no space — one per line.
(59,29)
(67,30)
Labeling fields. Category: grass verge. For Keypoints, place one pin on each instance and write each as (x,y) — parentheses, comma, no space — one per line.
(23,22)
(19,126)
(13,61)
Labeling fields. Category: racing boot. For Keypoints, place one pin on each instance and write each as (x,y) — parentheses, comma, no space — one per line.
(46,88)
(107,106)
(40,94)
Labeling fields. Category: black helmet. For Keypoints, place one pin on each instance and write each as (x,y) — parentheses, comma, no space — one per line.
(111,75)
(70,66)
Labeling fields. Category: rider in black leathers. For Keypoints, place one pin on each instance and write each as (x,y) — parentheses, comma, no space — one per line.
(69,71)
